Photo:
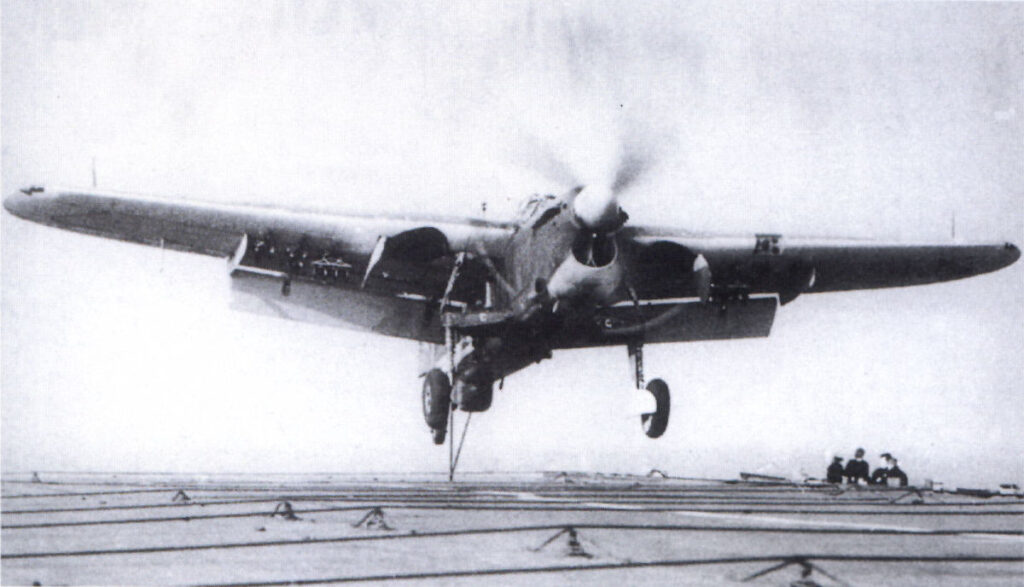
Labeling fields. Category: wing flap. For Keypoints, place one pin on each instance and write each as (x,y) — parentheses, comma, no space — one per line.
(353,309)
(681,321)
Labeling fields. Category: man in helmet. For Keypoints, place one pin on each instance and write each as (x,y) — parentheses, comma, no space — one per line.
(857,469)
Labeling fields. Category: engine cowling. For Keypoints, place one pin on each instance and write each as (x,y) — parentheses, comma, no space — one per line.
(591,270)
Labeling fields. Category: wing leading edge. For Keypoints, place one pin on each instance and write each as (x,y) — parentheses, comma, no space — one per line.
(215,229)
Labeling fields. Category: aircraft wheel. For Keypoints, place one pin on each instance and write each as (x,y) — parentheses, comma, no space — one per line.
(439,434)
(437,399)
(654,424)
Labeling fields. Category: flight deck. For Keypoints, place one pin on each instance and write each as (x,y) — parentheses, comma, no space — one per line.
(498,528)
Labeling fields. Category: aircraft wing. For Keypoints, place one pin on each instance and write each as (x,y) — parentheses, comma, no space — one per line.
(394,267)
(663,265)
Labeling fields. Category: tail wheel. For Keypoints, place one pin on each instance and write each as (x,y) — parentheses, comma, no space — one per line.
(437,400)
(654,424)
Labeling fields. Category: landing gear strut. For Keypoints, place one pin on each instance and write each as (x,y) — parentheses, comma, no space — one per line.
(439,410)
(654,423)
(439,434)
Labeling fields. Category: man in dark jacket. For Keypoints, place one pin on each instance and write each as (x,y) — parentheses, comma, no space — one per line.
(881,474)
(857,468)
(895,472)
(835,471)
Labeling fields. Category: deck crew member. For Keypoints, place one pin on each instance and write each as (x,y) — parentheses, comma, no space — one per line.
(896,473)
(881,474)
(835,471)
(857,468)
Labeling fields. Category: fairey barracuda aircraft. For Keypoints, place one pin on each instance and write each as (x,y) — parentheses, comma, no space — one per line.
(490,298)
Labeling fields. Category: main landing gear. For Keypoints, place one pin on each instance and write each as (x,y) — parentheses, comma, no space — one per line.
(654,423)
(437,401)
(439,408)
(470,386)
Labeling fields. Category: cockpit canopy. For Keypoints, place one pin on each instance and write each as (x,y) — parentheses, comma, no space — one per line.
(529,207)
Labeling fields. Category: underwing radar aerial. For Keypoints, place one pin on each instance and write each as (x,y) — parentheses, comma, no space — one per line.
(489,298)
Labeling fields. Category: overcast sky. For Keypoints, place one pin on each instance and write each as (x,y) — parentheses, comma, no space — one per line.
(861,119)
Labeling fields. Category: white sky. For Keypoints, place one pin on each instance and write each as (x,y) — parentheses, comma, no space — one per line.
(833,119)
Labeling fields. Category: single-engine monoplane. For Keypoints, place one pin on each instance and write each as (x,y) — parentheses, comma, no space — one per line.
(488,298)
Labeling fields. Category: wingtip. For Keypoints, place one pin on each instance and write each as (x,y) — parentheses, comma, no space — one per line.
(1011,252)
(19,202)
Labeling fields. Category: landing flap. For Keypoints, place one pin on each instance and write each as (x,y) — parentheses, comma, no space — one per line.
(683,321)
(475,320)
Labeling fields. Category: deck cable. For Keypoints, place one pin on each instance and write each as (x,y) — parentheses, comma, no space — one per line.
(629,565)
(514,529)
(447,506)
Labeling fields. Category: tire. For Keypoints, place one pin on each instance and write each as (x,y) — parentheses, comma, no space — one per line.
(437,399)
(655,424)
(438,434)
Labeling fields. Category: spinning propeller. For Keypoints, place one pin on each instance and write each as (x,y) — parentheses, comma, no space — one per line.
(596,206)
(592,270)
